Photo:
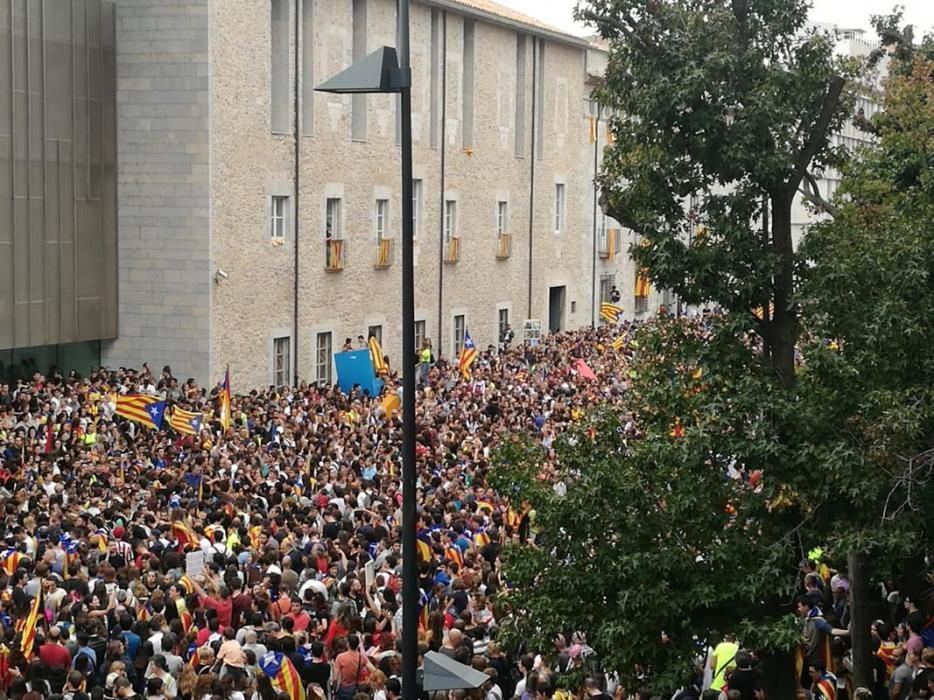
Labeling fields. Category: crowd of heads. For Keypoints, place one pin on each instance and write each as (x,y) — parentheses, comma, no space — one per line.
(296,511)
(173,565)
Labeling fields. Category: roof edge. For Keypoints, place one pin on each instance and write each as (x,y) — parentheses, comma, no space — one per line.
(533,29)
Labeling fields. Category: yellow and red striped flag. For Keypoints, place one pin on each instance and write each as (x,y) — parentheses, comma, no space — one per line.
(185,536)
(424,550)
(610,312)
(29,629)
(376,354)
(226,418)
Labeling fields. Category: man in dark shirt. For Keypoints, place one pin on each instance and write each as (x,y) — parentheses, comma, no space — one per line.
(744,677)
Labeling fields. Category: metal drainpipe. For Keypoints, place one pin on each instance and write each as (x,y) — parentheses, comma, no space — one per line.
(296,182)
(444,117)
(535,41)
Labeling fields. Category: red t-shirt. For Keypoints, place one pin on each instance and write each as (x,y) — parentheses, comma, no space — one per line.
(224,609)
(204,634)
(301,620)
(55,655)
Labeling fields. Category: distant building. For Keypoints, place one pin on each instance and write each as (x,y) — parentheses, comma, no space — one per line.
(211,191)
(851,43)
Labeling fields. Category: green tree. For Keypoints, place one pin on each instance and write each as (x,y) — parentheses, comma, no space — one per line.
(653,535)
(730,104)
(870,286)
(668,529)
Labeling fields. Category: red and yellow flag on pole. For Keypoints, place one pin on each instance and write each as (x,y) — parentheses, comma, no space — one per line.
(29,629)
(226,418)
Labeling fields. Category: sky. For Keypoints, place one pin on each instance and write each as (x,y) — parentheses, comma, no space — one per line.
(846,13)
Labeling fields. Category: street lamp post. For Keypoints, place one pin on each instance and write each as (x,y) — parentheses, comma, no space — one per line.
(381,72)
(594,107)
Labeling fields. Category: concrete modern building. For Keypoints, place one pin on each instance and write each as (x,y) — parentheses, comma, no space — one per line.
(259,220)
(58,227)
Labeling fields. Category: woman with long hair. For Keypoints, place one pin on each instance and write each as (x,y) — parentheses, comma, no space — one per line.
(342,625)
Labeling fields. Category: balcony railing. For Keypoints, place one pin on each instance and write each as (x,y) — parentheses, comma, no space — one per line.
(609,244)
(334,255)
(383,253)
(503,246)
(452,250)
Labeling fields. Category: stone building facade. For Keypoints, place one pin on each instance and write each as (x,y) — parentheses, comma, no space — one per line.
(226,154)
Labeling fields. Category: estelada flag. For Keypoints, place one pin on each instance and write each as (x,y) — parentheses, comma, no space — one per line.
(11,560)
(282,674)
(468,355)
(185,422)
(146,410)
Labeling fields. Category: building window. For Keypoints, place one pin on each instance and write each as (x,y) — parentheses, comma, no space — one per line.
(559,207)
(382,218)
(375,332)
(641,305)
(460,327)
(420,335)
(503,322)
(323,356)
(333,218)
(606,286)
(277,217)
(281,367)
(450,220)
(502,217)
(416,205)
(279,112)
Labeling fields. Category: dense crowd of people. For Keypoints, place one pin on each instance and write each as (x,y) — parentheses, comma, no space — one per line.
(263,561)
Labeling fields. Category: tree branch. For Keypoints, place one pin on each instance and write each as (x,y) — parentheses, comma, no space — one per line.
(811,194)
(818,132)
(599,19)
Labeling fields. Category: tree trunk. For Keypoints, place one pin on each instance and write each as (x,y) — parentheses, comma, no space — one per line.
(784,325)
(860,620)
